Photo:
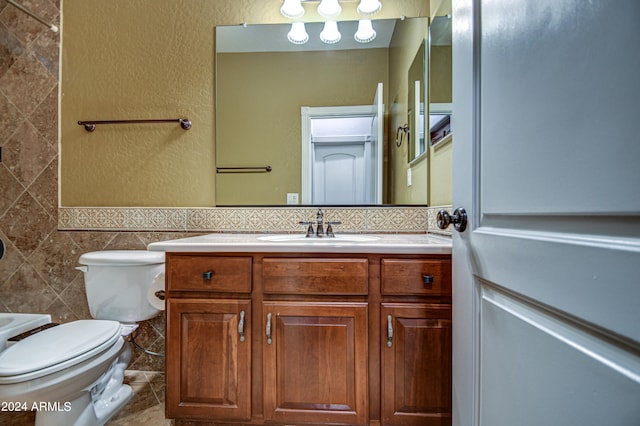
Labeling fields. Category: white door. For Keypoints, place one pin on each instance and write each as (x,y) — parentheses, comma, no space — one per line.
(546,297)
(338,173)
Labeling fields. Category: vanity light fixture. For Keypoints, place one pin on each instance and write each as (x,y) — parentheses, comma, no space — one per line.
(369,7)
(329,9)
(330,33)
(365,32)
(298,34)
(292,9)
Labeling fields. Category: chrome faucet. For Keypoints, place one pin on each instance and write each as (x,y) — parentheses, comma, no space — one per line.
(329,233)
(309,229)
(319,227)
(320,231)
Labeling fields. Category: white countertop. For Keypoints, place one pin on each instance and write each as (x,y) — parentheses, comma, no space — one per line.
(296,243)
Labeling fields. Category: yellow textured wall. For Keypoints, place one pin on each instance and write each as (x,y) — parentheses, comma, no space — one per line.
(441,173)
(125,59)
(440,77)
(440,7)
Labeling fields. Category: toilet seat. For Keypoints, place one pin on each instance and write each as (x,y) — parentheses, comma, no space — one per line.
(121,257)
(57,348)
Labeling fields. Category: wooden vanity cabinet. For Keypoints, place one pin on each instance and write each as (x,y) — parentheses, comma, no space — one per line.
(315,352)
(208,369)
(416,342)
(208,337)
(416,364)
(316,339)
(315,363)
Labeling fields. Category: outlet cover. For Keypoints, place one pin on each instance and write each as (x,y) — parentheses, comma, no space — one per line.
(292,198)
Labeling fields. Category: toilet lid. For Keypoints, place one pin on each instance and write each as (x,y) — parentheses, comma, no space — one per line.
(56,345)
(122,257)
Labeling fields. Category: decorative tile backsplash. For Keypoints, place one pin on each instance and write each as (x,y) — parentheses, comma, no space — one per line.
(241,219)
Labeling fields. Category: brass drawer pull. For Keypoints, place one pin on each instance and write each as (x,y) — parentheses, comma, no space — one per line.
(268,331)
(207,275)
(241,326)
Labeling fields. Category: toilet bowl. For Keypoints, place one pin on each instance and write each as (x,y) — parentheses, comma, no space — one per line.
(72,374)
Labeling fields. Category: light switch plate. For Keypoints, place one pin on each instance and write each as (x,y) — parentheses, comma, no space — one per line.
(408,177)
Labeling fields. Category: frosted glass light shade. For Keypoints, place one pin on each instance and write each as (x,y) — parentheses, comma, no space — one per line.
(329,8)
(330,33)
(369,7)
(365,32)
(292,9)
(298,34)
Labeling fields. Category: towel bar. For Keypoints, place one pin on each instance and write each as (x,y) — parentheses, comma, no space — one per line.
(263,169)
(90,126)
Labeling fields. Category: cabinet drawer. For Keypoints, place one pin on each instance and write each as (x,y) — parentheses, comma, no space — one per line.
(416,277)
(315,276)
(209,273)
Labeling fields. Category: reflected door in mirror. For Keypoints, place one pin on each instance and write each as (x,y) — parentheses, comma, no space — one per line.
(338,174)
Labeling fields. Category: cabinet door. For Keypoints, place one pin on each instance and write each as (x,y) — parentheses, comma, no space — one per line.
(416,364)
(208,359)
(315,362)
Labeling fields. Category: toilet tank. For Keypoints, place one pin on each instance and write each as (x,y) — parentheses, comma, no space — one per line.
(117,283)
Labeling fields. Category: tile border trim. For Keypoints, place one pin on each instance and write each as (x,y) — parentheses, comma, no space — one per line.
(412,219)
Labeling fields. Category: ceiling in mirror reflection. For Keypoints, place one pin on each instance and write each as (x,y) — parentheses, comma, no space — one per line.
(440,31)
(273,38)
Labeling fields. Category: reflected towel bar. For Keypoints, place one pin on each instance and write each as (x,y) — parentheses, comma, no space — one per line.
(90,126)
(263,169)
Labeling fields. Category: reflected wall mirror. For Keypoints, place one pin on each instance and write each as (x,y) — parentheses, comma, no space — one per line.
(418,90)
(440,109)
(263,88)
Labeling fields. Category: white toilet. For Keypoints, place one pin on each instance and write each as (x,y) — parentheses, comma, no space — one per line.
(72,374)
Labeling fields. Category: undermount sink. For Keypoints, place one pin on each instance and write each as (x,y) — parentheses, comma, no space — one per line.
(319,240)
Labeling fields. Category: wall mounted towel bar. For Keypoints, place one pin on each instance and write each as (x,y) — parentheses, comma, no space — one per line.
(263,169)
(35,16)
(90,126)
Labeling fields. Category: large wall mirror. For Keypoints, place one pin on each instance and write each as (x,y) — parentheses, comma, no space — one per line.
(264,86)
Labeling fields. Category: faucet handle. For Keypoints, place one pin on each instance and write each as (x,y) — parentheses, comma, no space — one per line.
(330,228)
(309,229)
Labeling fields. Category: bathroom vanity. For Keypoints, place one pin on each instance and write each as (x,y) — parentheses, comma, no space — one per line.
(287,330)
